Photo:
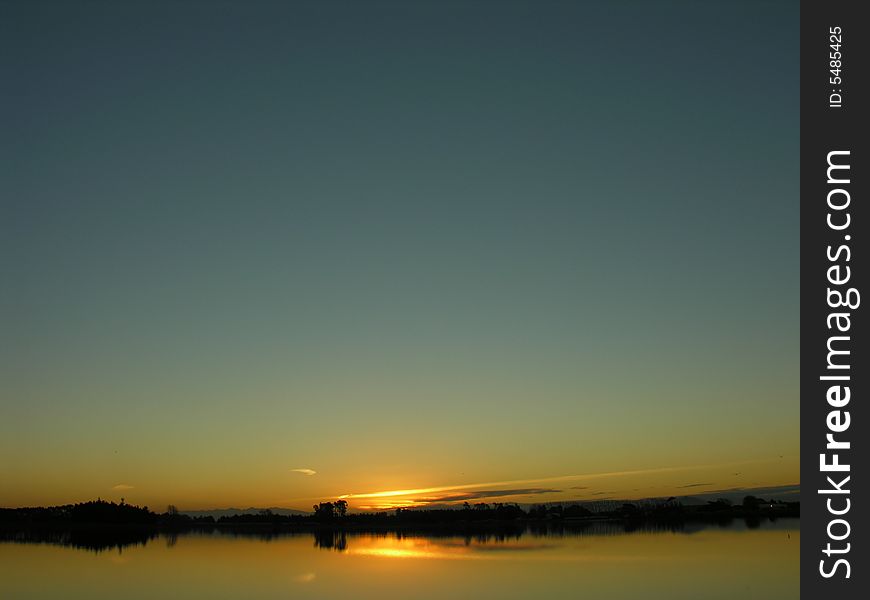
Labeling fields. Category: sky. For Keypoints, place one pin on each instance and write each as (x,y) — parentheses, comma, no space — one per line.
(273,253)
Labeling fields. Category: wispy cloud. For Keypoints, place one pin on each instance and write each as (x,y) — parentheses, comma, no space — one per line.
(122,487)
(304,471)
(478,495)
(581,477)
(691,485)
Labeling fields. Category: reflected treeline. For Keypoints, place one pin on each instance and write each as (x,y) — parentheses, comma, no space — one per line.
(339,540)
(95,540)
(330,540)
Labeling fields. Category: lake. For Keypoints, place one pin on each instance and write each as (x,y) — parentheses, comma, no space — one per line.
(727,562)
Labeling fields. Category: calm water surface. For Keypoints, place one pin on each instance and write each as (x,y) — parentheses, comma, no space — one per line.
(706,562)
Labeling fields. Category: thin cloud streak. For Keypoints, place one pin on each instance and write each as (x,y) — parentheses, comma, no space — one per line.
(471,486)
(487,494)
(308,472)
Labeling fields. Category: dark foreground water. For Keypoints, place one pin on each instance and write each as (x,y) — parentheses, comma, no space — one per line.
(697,562)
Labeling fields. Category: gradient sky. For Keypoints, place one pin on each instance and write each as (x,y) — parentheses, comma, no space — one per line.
(449,246)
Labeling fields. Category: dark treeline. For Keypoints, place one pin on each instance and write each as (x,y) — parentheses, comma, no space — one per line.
(101,525)
(335,514)
(96,512)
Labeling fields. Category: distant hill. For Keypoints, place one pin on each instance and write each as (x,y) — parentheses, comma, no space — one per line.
(229,512)
(784,493)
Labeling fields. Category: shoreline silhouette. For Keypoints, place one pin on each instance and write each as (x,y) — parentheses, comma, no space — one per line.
(100,517)
(102,526)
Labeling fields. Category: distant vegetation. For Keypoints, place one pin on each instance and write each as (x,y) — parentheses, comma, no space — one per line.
(335,515)
(96,512)
(99,525)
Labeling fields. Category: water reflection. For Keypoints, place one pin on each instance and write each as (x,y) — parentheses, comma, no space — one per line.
(331,540)
(95,540)
(592,560)
(100,540)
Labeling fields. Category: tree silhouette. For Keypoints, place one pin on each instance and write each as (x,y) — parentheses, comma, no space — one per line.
(325,510)
(751,503)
